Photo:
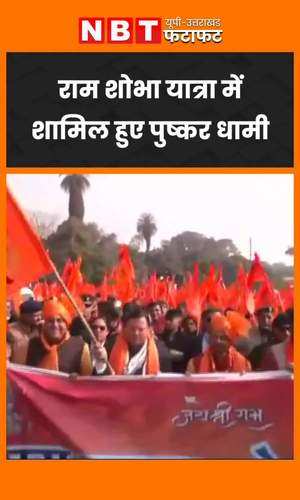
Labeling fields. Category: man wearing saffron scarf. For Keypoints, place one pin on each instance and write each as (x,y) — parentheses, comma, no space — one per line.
(55,349)
(221,356)
(136,351)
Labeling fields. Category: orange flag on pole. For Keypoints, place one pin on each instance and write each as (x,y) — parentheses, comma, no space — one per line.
(125,275)
(287,297)
(257,272)
(27,259)
(75,279)
(266,296)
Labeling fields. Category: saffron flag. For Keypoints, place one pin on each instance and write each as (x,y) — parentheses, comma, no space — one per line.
(257,273)
(75,279)
(27,259)
(125,275)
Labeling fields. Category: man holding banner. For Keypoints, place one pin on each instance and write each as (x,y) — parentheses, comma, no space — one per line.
(207,415)
(136,351)
(55,349)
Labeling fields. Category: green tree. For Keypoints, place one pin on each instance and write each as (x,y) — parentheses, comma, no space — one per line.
(74,239)
(146,227)
(178,255)
(75,185)
(136,242)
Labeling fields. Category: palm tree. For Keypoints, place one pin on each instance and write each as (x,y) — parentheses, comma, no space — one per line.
(75,185)
(146,227)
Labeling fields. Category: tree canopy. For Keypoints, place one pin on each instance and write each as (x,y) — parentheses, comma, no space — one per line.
(74,239)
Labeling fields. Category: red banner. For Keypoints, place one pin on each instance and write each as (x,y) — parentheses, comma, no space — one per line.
(203,416)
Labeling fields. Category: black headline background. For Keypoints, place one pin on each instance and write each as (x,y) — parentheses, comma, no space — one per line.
(32,94)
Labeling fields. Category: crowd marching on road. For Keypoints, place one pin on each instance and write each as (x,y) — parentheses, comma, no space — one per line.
(132,339)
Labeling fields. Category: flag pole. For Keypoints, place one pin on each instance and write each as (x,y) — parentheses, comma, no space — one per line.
(77,309)
(250,249)
(47,262)
(71,299)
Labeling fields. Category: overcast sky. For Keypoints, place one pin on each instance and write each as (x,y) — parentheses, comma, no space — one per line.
(235,206)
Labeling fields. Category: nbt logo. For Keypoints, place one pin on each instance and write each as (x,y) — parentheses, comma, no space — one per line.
(119,30)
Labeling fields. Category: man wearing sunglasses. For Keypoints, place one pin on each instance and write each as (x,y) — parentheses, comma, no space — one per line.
(99,351)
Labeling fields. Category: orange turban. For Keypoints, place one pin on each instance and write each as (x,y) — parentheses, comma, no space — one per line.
(53,308)
(233,324)
(239,325)
(220,323)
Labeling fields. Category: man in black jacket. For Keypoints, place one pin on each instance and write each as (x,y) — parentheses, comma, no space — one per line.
(181,346)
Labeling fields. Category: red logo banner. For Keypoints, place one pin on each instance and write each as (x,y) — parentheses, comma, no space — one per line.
(220,416)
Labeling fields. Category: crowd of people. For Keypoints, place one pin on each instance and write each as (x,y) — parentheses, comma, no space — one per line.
(111,338)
